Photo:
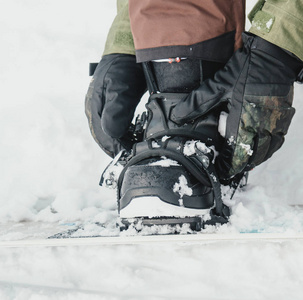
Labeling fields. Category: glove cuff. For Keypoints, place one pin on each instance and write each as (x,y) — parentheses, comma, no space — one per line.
(287,58)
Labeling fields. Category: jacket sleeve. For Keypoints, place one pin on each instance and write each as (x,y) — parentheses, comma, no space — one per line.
(280,22)
(120,39)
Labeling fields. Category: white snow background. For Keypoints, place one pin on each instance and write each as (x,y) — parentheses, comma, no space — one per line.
(50,163)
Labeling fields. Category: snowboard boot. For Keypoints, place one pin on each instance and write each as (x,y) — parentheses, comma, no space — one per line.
(169,178)
(161,191)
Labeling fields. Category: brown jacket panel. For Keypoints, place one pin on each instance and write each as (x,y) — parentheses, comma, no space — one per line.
(166,23)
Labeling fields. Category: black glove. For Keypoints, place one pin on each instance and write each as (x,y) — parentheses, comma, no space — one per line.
(113,95)
(255,88)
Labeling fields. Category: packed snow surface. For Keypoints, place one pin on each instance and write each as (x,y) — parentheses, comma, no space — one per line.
(50,169)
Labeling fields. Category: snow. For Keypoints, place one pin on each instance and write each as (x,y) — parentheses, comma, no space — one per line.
(247,148)
(191,146)
(164,162)
(164,138)
(269,23)
(222,123)
(155,145)
(50,169)
(182,187)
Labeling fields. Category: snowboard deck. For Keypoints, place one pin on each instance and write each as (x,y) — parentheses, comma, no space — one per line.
(39,234)
(199,238)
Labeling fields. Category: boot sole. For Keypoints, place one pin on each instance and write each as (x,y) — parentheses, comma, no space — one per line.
(153,207)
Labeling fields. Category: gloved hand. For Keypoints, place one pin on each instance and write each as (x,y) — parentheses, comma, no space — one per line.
(255,88)
(113,95)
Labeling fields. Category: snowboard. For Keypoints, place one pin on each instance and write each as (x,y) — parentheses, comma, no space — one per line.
(41,234)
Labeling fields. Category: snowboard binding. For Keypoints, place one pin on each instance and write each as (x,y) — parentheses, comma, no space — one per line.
(169,178)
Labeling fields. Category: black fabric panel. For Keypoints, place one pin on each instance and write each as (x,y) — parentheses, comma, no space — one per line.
(218,49)
(183,76)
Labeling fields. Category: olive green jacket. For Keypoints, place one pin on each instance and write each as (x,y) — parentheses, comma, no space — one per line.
(119,38)
(277,21)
